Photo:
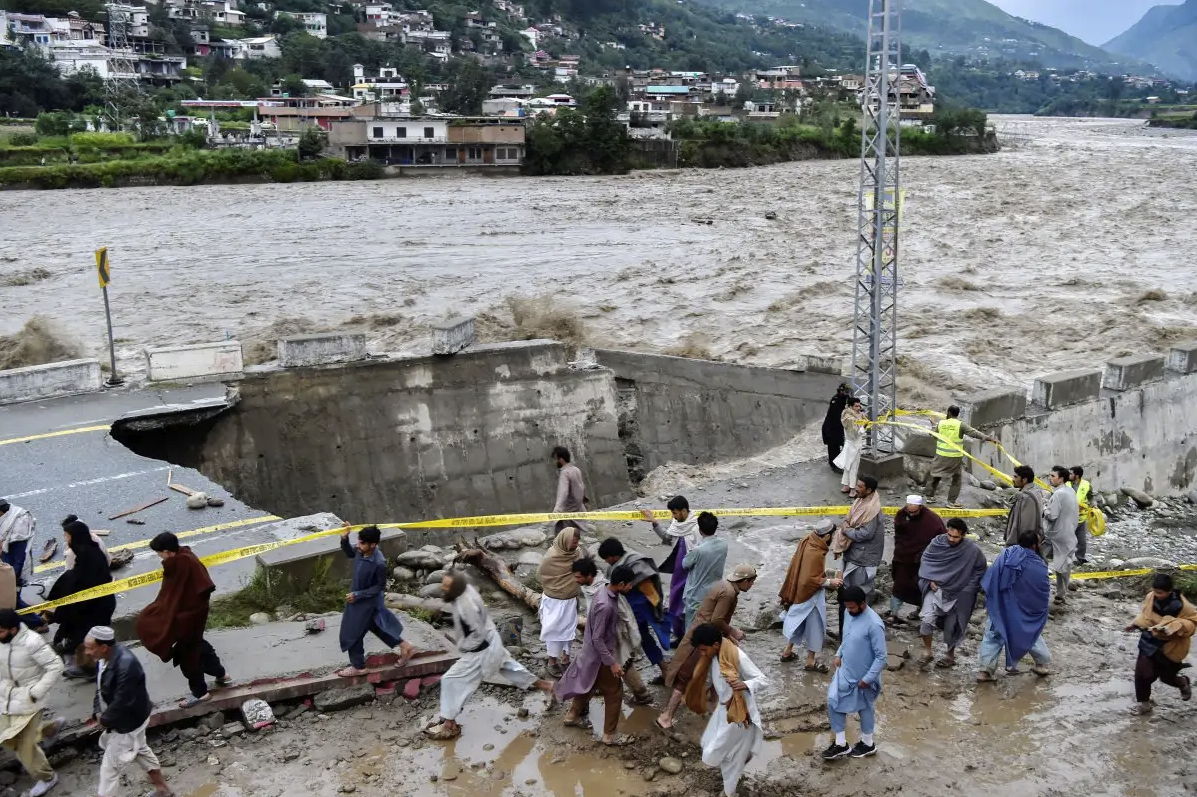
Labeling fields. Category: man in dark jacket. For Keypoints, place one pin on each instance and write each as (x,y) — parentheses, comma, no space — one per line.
(833,429)
(122,709)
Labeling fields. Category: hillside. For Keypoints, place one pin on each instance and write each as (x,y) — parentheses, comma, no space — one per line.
(949,27)
(1166,36)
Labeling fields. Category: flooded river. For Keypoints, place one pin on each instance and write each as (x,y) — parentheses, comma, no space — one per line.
(1071,245)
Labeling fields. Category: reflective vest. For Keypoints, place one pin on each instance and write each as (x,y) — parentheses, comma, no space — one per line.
(1082,491)
(950,428)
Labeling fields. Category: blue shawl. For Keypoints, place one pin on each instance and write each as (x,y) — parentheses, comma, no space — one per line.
(1017,596)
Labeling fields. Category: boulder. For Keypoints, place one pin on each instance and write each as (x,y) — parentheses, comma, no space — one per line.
(989,485)
(197,501)
(404,574)
(671,765)
(894,663)
(260,618)
(232,729)
(530,538)
(1138,496)
(434,577)
(529,559)
(431,591)
(1148,563)
(1192,496)
(257,713)
(499,542)
(421,560)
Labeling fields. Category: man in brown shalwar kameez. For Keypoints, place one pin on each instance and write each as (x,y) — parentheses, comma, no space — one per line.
(717,609)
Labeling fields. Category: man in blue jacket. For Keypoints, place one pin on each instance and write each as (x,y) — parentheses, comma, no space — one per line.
(122,709)
(365,607)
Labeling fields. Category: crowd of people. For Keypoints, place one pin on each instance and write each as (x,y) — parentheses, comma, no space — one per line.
(617,597)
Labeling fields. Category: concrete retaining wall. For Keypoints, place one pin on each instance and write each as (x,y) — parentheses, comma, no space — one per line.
(332,347)
(1137,431)
(415,438)
(53,379)
(299,561)
(204,362)
(674,409)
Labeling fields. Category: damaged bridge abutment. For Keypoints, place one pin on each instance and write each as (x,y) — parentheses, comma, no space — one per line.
(394,439)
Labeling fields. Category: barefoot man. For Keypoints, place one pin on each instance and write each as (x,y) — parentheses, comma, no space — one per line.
(365,609)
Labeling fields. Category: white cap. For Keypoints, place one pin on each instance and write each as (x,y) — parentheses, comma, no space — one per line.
(916,500)
(102,633)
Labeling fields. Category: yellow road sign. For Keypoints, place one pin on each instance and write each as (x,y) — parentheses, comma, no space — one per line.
(102,266)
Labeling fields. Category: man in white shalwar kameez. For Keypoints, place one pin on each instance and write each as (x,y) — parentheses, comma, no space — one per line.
(482,657)
(726,744)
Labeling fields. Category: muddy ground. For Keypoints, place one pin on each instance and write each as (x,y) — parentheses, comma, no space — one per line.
(939,732)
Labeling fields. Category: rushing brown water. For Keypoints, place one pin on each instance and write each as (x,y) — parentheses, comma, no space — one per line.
(1065,249)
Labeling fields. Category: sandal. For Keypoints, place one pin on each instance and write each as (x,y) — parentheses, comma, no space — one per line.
(852,494)
(225,682)
(441,733)
(1186,691)
(818,666)
(620,740)
(788,657)
(984,677)
(642,699)
(894,621)
(662,728)
(579,722)
(844,490)
(925,660)
(351,672)
(191,700)
(945,664)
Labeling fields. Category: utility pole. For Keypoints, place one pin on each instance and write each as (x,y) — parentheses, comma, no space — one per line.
(122,88)
(874,344)
(104,272)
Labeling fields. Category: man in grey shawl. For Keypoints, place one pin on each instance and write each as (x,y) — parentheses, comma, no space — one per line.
(482,657)
(950,578)
(860,539)
(1026,514)
(1061,517)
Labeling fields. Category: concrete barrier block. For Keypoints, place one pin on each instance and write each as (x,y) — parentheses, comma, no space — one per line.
(450,337)
(51,379)
(994,407)
(332,347)
(1125,373)
(203,362)
(1066,387)
(820,365)
(299,560)
(1183,357)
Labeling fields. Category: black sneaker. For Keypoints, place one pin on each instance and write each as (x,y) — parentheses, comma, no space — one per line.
(835,751)
(862,750)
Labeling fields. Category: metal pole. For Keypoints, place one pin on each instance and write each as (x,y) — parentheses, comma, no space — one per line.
(113,378)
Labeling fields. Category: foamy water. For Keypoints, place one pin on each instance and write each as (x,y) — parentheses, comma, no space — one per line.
(1052,253)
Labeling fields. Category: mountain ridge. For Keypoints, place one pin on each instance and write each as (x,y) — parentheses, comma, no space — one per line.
(1166,36)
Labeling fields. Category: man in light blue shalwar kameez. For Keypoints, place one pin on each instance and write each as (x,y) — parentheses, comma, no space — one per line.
(856,683)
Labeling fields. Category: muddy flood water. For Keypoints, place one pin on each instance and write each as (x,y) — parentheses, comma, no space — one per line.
(1072,243)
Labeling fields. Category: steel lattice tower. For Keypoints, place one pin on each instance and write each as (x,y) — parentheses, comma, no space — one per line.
(874,346)
(123,87)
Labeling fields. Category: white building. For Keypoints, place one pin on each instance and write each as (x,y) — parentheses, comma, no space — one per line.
(259,47)
(77,55)
(408,131)
(316,24)
(137,19)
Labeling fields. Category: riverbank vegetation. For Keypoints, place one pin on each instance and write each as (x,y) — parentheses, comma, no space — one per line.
(181,165)
(1185,119)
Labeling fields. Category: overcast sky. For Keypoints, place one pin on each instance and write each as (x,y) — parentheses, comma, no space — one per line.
(1095,21)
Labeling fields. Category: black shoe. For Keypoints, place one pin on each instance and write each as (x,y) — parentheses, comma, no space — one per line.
(862,750)
(1082,561)
(836,751)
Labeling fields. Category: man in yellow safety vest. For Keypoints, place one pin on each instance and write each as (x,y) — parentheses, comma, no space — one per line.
(1083,488)
(949,454)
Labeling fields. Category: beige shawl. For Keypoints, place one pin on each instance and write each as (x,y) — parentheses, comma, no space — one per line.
(862,512)
(556,569)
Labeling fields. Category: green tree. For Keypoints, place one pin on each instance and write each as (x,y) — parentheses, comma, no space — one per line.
(293,86)
(311,143)
(469,85)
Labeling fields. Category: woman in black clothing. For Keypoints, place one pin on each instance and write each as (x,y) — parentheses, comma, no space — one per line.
(76,619)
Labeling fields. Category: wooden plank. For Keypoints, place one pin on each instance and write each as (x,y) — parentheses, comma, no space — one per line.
(134,511)
(178,488)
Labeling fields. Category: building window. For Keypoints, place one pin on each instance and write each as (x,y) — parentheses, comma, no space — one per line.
(429,132)
(378,132)
(474,154)
(400,132)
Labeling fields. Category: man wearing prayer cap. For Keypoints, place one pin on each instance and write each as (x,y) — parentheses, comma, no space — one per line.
(122,709)
(717,609)
(915,526)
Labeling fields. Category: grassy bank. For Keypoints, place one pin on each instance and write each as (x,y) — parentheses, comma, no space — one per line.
(1179,121)
(181,166)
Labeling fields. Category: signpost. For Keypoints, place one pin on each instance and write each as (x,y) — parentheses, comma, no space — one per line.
(104,273)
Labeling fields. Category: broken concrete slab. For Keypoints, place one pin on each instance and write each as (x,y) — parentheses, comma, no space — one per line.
(344,698)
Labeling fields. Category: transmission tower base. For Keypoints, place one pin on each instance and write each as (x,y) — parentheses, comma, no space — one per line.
(886,467)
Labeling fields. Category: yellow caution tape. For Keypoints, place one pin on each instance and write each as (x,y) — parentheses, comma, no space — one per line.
(181,535)
(482,521)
